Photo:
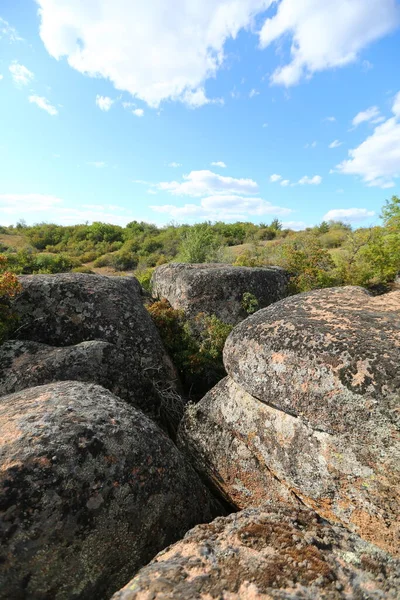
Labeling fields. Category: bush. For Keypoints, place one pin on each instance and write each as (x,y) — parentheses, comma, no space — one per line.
(199,244)
(250,303)
(144,278)
(195,346)
(9,287)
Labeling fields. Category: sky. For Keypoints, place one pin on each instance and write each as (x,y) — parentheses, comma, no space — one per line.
(192,110)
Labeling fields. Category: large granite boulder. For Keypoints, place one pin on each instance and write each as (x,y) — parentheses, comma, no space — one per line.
(270,553)
(218,289)
(90,490)
(310,411)
(64,312)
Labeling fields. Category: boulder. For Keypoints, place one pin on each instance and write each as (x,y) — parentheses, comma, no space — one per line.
(218,289)
(269,553)
(25,364)
(67,309)
(90,490)
(309,411)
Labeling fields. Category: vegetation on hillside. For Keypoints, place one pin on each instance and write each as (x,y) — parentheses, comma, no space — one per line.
(328,254)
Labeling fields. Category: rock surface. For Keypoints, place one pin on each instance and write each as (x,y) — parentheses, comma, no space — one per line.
(67,309)
(217,288)
(309,412)
(274,552)
(90,490)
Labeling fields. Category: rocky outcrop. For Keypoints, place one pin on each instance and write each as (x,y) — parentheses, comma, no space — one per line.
(96,329)
(90,490)
(217,288)
(274,552)
(309,412)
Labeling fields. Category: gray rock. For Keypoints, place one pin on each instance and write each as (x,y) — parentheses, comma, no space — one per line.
(217,288)
(309,412)
(271,553)
(67,309)
(90,490)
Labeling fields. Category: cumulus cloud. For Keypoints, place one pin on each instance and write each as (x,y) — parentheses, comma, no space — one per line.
(371,114)
(154,50)
(335,144)
(219,164)
(202,183)
(285,182)
(20,74)
(348,215)
(275,177)
(295,225)
(44,104)
(316,180)
(9,33)
(377,159)
(326,34)
(138,112)
(228,207)
(104,102)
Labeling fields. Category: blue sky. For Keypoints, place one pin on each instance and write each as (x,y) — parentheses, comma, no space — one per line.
(193,110)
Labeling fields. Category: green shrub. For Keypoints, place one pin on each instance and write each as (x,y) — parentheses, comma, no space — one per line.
(195,346)
(250,303)
(144,277)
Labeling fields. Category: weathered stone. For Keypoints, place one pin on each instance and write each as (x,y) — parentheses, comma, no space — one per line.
(217,288)
(274,552)
(330,356)
(253,452)
(25,364)
(90,490)
(67,309)
(325,433)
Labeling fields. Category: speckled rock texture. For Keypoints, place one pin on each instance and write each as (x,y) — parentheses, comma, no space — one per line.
(269,553)
(217,289)
(310,411)
(90,490)
(67,309)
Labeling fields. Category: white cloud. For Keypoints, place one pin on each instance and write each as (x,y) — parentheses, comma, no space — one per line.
(138,112)
(1,77)
(227,207)
(295,225)
(174,165)
(326,34)
(377,159)
(285,182)
(197,98)
(9,33)
(15,203)
(254,93)
(39,207)
(97,164)
(335,144)
(275,177)
(154,50)
(202,183)
(20,74)
(316,180)
(219,164)
(104,102)
(396,105)
(128,105)
(348,215)
(44,104)
(371,114)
